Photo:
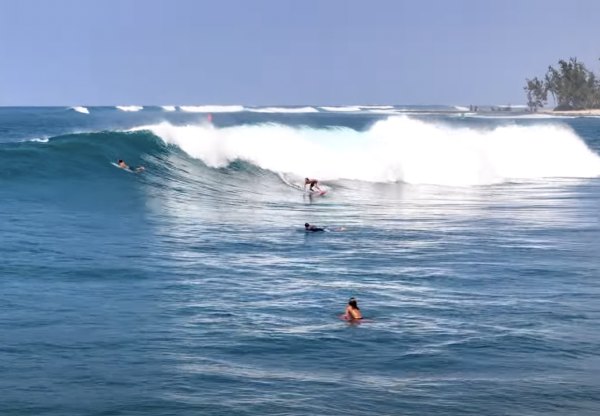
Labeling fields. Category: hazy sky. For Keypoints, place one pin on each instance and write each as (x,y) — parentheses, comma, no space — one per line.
(263,52)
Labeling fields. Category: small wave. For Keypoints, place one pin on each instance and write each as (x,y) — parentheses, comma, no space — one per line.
(342,109)
(130,107)
(389,111)
(80,109)
(168,107)
(40,140)
(461,108)
(211,108)
(284,110)
(377,107)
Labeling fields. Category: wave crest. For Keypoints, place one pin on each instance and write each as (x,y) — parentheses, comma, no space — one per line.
(396,149)
(211,108)
(283,110)
(80,109)
(130,108)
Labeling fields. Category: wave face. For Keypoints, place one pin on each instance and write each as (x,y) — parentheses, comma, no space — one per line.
(73,157)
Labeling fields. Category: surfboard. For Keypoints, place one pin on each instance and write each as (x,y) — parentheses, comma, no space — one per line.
(317,193)
(126,170)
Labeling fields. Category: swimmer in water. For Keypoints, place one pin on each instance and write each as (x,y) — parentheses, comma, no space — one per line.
(308,227)
(125,166)
(352,312)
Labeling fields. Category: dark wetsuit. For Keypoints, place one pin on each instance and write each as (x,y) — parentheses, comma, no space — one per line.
(313,228)
(312,183)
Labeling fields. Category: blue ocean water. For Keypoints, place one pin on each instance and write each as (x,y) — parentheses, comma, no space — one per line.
(471,242)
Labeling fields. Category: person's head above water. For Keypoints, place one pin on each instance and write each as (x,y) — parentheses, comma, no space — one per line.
(352,302)
(306,225)
(120,161)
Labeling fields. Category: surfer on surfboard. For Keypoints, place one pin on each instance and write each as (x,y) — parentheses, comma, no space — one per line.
(121,163)
(313,184)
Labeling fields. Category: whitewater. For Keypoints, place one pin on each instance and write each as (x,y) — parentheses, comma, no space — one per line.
(397,149)
(471,241)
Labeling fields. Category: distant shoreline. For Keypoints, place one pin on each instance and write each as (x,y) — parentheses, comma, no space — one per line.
(581,113)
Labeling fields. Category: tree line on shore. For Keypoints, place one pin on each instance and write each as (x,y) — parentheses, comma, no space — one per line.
(571,85)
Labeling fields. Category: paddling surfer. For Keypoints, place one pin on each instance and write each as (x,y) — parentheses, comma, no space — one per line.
(121,163)
(312,228)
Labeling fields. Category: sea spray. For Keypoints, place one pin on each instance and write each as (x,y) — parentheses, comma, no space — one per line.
(397,149)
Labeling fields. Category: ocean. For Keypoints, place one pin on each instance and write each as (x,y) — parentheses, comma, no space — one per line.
(470,240)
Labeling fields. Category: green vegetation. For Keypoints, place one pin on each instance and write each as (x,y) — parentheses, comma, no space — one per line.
(572,86)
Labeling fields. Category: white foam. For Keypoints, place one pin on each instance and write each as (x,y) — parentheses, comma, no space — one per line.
(397,149)
(211,108)
(531,116)
(130,107)
(169,107)
(348,108)
(377,107)
(80,109)
(284,110)
(461,108)
(390,111)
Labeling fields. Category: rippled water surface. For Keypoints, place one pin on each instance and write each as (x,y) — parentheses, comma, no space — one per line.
(193,289)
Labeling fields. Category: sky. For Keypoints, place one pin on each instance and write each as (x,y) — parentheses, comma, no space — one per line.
(286,52)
